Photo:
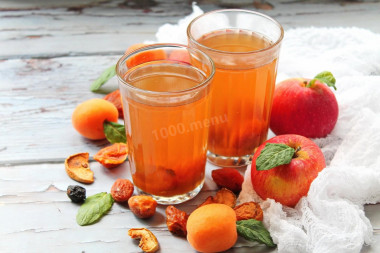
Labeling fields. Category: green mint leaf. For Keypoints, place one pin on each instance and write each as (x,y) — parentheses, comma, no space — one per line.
(103,78)
(273,155)
(93,208)
(254,230)
(114,132)
(325,77)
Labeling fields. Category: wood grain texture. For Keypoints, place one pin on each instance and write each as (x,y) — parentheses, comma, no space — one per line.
(109,28)
(50,52)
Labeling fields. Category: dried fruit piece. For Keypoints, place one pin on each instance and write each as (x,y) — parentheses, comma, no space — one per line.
(142,206)
(115,98)
(113,155)
(249,210)
(223,196)
(76,193)
(122,190)
(148,242)
(228,178)
(209,200)
(176,221)
(78,168)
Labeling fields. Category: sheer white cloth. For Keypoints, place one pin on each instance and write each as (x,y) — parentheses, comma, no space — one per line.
(331,217)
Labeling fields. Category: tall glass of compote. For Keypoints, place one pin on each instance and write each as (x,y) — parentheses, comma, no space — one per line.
(165,91)
(244,46)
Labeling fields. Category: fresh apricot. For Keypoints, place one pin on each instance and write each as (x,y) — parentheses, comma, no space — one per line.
(89,116)
(212,228)
(134,47)
(145,56)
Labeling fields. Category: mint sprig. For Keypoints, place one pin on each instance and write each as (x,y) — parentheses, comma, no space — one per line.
(254,230)
(325,77)
(103,78)
(273,155)
(93,208)
(114,132)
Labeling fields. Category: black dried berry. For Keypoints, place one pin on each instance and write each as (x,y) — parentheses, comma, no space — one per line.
(76,193)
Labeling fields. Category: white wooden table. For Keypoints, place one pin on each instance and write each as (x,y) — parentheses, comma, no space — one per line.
(50,52)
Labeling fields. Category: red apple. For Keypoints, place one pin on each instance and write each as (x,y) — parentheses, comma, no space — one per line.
(288,182)
(305,107)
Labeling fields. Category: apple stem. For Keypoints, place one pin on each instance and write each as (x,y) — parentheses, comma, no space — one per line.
(295,151)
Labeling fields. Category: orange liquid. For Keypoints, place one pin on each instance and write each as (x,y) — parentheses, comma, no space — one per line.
(167,143)
(241,94)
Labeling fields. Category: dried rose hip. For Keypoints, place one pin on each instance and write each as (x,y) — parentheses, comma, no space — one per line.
(249,210)
(76,193)
(113,155)
(176,221)
(122,190)
(142,206)
(228,178)
(115,98)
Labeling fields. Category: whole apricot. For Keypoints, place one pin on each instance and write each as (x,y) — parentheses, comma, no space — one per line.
(212,228)
(134,47)
(89,116)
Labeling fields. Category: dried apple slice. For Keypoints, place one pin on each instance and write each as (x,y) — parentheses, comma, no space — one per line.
(78,168)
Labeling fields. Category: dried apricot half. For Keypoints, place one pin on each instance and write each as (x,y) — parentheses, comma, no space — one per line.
(249,210)
(115,98)
(223,196)
(78,168)
(113,155)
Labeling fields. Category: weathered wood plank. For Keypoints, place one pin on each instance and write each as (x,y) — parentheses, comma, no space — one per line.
(108,29)
(37,98)
(34,208)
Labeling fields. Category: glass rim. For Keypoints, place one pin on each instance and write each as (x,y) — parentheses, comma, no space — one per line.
(191,38)
(161,45)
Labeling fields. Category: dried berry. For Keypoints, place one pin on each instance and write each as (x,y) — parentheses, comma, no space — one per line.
(113,155)
(148,242)
(176,221)
(122,190)
(76,193)
(223,196)
(228,178)
(249,210)
(142,206)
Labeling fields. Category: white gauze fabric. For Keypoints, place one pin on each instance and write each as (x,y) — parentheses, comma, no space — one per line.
(331,217)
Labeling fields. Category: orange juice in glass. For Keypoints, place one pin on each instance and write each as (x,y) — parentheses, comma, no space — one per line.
(244,46)
(165,90)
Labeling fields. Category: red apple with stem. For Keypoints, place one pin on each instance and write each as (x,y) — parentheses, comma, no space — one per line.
(305,107)
(284,166)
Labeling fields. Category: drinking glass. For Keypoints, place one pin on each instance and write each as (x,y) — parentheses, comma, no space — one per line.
(165,90)
(244,46)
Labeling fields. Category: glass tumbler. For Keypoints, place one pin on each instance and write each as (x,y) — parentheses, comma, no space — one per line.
(165,90)
(244,46)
